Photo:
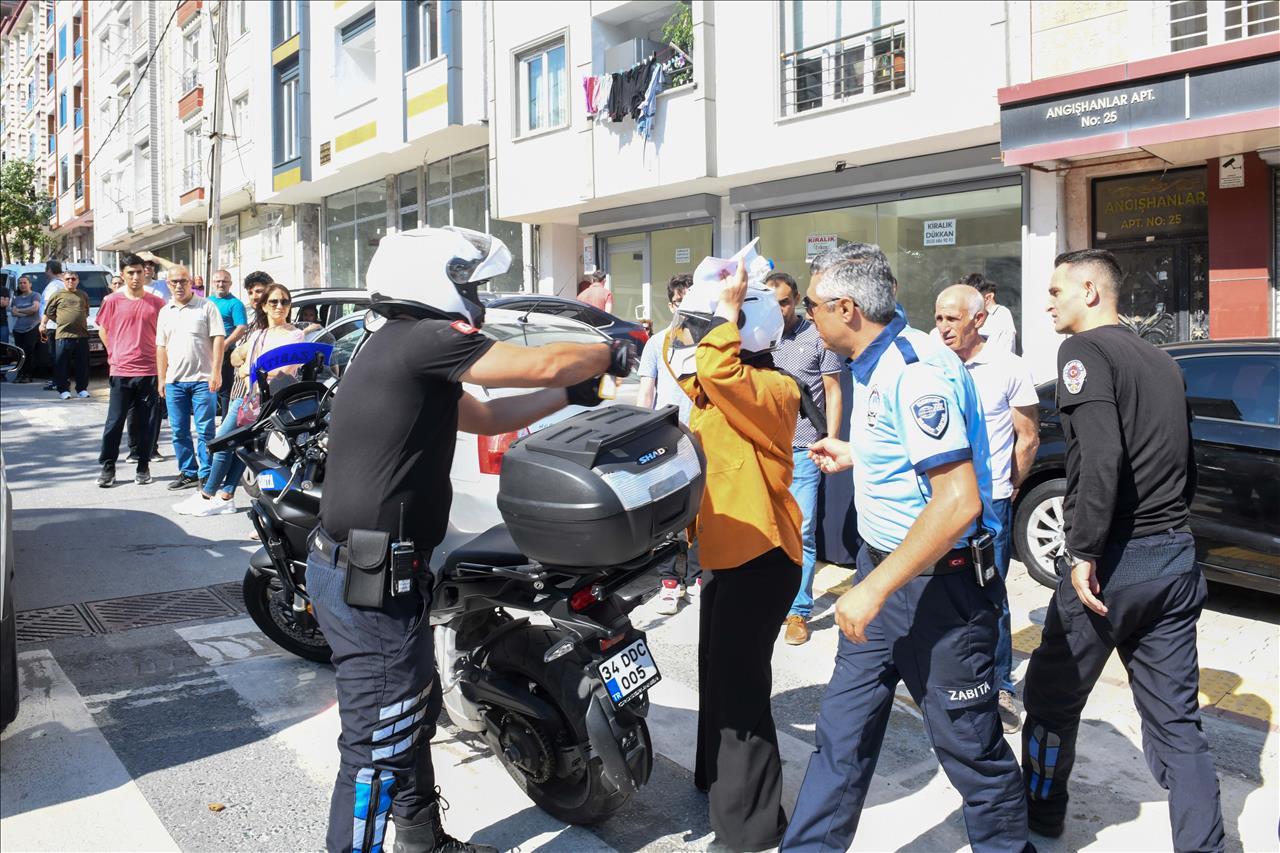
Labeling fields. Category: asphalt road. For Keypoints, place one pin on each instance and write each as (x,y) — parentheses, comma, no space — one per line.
(202,735)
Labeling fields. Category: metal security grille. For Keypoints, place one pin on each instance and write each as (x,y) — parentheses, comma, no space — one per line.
(139,611)
(232,593)
(52,623)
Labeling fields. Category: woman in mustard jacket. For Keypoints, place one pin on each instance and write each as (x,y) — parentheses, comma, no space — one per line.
(744,414)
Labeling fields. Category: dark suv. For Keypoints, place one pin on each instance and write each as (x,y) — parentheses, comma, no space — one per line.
(1234,391)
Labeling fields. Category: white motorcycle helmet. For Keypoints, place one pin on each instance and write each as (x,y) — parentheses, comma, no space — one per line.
(760,323)
(440,269)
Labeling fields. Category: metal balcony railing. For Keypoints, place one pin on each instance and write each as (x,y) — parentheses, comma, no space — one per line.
(850,67)
(192,177)
(190,79)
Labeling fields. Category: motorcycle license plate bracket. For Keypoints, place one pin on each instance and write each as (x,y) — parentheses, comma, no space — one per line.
(628,674)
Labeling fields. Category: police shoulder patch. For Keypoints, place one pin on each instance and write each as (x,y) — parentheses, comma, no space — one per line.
(1073,375)
(464,327)
(931,415)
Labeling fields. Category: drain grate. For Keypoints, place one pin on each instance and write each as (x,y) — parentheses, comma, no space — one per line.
(52,623)
(139,611)
(232,593)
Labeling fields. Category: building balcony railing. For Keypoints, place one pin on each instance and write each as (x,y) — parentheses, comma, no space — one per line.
(192,176)
(847,68)
(190,80)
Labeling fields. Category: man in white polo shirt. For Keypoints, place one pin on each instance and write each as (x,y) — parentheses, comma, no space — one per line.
(189,339)
(1009,403)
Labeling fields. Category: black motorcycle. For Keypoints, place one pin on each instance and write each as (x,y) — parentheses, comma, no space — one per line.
(557,692)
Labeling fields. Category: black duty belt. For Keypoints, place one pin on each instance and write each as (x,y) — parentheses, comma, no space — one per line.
(329,548)
(955,560)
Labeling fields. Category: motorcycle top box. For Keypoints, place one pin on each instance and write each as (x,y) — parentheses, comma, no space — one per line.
(601,488)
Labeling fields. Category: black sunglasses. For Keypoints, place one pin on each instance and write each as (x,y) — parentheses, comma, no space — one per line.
(279,301)
(810,305)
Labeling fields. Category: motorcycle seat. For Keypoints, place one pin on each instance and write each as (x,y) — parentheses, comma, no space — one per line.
(494,547)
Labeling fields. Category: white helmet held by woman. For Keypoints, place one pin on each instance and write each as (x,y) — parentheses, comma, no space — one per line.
(760,321)
(440,269)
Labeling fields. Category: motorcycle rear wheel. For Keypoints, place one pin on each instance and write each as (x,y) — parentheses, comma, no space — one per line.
(577,795)
(265,600)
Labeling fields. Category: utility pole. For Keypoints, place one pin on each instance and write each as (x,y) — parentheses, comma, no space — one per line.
(214,229)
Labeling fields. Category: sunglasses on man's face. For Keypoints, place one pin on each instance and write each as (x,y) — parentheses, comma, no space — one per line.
(274,303)
(810,305)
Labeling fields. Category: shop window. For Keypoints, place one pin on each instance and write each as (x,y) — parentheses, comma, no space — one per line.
(543,86)
(931,242)
(422,17)
(355,222)
(407,192)
(355,62)
(457,194)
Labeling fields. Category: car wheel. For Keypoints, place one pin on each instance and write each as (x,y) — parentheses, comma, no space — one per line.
(1038,530)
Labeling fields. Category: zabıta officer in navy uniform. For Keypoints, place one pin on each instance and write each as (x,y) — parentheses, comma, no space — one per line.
(925,606)
(1131,583)
(393,429)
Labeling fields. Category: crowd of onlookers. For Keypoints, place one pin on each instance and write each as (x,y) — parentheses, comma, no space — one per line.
(173,352)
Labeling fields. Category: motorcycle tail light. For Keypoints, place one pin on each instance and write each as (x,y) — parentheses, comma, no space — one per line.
(492,448)
(585,597)
(607,643)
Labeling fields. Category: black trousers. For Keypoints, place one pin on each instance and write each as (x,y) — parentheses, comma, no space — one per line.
(1153,626)
(133,400)
(388,702)
(159,412)
(228,379)
(737,755)
(72,354)
(28,340)
(671,567)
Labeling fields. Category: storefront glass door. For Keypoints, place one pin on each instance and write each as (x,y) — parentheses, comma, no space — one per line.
(628,268)
(1164,295)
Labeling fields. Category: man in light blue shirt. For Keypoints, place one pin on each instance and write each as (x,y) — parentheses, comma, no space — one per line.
(925,605)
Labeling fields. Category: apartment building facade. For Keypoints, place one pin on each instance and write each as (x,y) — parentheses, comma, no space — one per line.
(23,79)
(378,118)
(157,91)
(804,124)
(1153,130)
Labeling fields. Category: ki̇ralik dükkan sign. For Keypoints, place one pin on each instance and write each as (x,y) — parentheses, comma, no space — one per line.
(1151,206)
(1136,105)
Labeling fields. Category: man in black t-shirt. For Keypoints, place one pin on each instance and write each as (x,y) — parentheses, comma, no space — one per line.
(392,433)
(1134,584)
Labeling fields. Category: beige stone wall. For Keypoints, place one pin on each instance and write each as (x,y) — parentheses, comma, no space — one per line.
(1067,37)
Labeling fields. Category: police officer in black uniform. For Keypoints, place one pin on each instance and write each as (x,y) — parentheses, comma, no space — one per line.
(386,506)
(1130,579)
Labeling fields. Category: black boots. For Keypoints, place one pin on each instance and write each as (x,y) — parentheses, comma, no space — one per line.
(424,833)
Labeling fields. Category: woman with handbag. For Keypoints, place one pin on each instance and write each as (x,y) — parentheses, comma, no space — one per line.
(271,329)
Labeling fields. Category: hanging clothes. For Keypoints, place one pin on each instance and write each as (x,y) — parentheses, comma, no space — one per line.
(604,86)
(590,86)
(629,90)
(649,107)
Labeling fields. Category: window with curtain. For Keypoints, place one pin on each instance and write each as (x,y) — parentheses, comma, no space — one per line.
(543,79)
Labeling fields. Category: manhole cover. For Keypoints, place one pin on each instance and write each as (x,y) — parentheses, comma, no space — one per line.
(52,623)
(139,611)
(232,593)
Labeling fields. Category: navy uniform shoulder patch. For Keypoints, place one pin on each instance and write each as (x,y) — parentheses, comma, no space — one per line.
(931,415)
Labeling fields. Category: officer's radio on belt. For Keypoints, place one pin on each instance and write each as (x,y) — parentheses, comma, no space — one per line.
(983,549)
(403,562)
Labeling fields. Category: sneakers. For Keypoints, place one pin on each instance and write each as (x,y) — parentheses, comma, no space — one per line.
(214,506)
(184,481)
(797,630)
(669,597)
(83,395)
(143,477)
(65,395)
(1010,713)
(694,589)
(107,478)
(193,505)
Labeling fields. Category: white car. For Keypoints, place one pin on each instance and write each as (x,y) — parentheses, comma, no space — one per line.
(477,460)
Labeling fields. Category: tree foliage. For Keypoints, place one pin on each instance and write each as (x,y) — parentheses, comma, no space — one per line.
(678,30)
(24,214)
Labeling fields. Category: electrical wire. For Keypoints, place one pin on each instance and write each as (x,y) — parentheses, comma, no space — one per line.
(124,110)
